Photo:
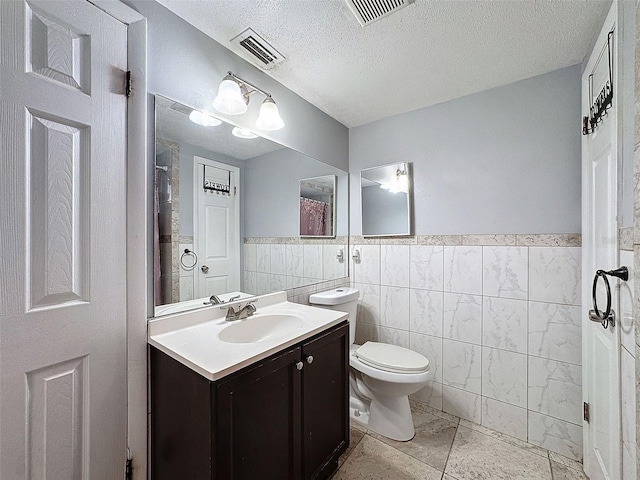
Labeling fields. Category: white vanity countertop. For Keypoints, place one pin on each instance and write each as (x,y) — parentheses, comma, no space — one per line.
(192,337)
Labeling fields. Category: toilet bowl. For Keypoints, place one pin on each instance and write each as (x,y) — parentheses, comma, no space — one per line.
(382,376)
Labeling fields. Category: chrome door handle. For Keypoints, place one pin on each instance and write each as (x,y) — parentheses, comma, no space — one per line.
(204,269)
(310,359)
(299,365)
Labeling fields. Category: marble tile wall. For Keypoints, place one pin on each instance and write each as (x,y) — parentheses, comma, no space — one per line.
(628,368)
(287,263)
(184,267)
(497,315)
(635,291)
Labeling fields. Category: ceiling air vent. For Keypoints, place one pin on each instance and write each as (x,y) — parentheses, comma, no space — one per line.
(369,11)
(178,107)
(257,50)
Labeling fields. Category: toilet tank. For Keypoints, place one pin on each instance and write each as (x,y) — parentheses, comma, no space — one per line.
(343,299)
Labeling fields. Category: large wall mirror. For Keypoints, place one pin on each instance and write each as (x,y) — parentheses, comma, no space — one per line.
(386,199)
(228,213)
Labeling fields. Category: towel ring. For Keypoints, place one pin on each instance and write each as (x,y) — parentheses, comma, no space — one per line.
(608,316)
(604,317)
(195,259)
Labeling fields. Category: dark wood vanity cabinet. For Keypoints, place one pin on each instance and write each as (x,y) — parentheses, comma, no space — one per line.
(284,417)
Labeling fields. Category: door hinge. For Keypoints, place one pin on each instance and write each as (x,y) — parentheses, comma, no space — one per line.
(235,191)
(127,87)
(128,470)
(586,126)
(585,411)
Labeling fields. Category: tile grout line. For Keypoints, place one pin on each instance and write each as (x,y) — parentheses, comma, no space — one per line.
(527,372)
(446,463)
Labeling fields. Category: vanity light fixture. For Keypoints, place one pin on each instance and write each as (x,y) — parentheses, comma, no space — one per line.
(243,133)
(269,118)
(204,119)
(399,183)
(233,99)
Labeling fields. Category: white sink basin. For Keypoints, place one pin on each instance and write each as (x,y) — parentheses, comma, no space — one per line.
(259,328)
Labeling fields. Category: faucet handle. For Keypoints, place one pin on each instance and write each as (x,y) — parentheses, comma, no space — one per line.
(213,300)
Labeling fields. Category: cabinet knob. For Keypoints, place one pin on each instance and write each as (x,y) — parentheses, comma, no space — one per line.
(299,365)
(310,359)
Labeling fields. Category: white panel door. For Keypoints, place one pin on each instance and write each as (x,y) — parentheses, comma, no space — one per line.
(600,354)
(216,229)
(63,390)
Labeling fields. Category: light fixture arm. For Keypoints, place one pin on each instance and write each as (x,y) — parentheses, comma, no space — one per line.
(251,87)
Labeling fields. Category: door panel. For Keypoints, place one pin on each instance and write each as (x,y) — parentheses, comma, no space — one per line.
(325,415)
(63,408)
(601,356)
(217,229)
(258,421)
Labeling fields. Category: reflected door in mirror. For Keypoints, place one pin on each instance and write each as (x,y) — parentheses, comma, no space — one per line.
(217,240)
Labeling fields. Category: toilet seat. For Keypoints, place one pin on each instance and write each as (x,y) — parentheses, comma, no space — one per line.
(392,358)
(384,375)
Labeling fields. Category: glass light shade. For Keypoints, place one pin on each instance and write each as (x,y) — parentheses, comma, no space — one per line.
(401,183)
(269,118)
(203,119)
(243,133)
(229,99)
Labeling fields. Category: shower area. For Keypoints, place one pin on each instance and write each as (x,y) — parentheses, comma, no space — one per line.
(166,272)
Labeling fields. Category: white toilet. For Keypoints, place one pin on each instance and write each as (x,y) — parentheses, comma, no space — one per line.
(382,376)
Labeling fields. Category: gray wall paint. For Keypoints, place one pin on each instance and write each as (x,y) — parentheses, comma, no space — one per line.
(187,66)
(272,191)
(506,160)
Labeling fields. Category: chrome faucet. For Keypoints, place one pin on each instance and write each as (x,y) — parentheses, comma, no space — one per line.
(242,312)
(213,300)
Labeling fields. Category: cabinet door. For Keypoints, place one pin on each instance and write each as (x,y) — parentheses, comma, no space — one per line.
(325,421)
(258,421)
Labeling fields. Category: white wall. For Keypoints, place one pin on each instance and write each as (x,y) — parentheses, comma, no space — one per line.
(506,160)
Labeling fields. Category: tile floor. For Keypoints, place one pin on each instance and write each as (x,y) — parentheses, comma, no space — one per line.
(448,448)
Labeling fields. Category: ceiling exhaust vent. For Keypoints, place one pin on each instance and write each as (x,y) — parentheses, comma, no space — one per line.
(369,11)
(257,50)
(178,107)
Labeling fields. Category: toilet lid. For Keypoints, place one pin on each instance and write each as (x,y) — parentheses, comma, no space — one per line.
(392,358)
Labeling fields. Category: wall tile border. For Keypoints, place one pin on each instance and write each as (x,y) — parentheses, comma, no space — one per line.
(625,238)
(523,240)
(297,240)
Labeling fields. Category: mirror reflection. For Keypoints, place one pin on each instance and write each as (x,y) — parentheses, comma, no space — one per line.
(386,200)
(317,206)
(227,220)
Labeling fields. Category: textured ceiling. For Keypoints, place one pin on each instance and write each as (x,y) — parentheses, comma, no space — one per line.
(427,53)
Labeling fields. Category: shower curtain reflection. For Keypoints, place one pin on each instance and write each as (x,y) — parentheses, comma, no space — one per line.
(314,217)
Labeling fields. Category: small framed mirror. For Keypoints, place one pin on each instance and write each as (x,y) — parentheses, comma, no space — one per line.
(318,206)
(386,199)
